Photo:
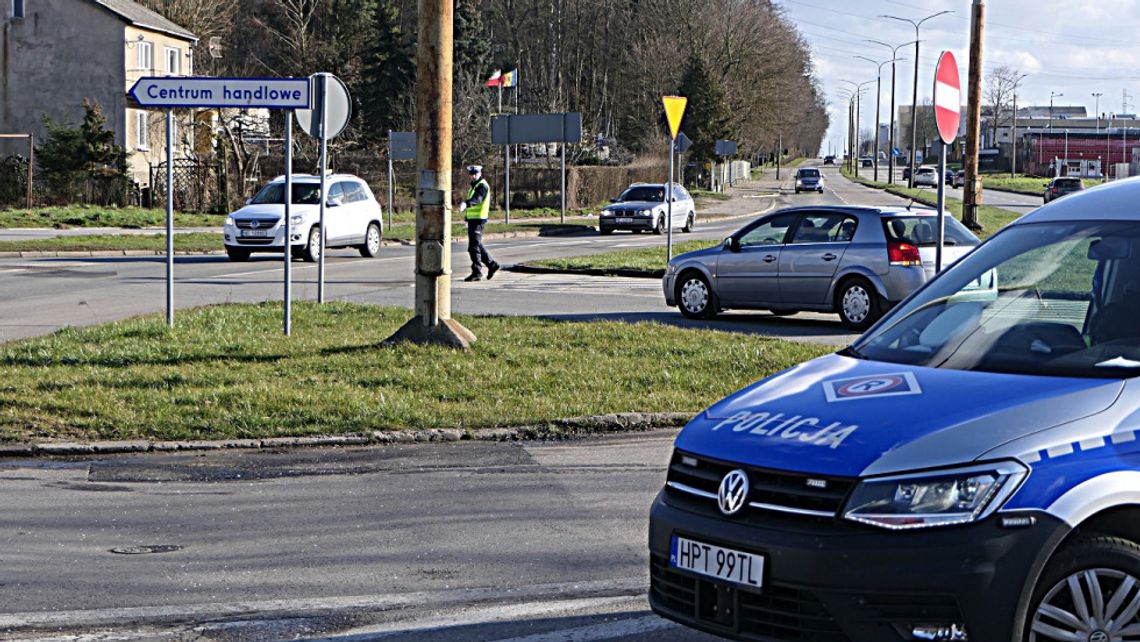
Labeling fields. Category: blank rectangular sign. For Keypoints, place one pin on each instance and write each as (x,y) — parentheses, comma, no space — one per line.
(403,145)
(726,148)
(536,128)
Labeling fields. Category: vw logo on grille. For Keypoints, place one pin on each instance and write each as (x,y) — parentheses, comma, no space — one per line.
(254,224)
(733,492)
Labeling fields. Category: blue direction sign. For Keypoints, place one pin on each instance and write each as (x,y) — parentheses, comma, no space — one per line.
(165,92)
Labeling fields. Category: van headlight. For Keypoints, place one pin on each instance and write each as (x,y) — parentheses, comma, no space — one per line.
(944,498)
(297,219)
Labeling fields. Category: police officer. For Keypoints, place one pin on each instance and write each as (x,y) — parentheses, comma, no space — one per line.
(476,208)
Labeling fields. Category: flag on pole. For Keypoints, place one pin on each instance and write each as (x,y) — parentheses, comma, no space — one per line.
(496,79)
(511,78)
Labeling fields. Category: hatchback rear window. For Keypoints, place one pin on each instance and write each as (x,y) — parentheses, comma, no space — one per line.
(923,230)
(1068,182)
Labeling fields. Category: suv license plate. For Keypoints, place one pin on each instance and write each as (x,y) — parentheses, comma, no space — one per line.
(260,234)
(624,221)
(738,567)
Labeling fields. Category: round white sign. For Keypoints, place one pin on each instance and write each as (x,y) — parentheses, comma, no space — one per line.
(339,107)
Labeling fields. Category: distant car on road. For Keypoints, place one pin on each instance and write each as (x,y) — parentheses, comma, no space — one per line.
(809,178)
(866,161)
(950,177)
(960,178)
(926,176)
(1062,185)
(642,207)
(352,219)
(857,261)
(906,172)
(828,160)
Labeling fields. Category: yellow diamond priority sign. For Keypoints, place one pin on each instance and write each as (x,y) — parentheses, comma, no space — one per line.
(674,111)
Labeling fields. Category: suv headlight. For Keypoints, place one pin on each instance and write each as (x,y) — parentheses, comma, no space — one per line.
(297,219)
(229,221)
(943,498)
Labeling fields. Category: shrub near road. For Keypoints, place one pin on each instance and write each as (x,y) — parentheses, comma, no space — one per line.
(226,372)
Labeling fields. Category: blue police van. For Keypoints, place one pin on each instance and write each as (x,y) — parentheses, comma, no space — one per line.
(968,469)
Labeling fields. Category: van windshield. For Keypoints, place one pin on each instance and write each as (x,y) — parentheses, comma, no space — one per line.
(303,194)
(1040,299)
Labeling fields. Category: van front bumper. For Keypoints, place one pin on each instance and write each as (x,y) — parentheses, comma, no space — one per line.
(834,581)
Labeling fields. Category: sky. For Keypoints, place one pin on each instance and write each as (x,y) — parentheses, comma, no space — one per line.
(1066,47)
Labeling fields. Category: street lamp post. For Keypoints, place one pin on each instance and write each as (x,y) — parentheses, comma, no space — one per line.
(858,104)
(1066,161)
(1097,95)
(878,100)
(1013,129)
(1052,95)
(891,129)
(914,98)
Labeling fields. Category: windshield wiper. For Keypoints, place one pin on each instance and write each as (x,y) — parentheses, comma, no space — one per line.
(850,351)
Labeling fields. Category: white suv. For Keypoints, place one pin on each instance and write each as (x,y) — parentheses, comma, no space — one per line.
(352,218)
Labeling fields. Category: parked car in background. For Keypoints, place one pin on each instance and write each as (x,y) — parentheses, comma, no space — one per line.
(353,218)
(950,177)
(960,178)
(642,207)
(1062,185)
(828,160)
(856,261)
(906,172)
(810,179)
(926,176)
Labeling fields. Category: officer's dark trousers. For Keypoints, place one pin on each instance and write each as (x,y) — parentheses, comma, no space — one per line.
(475,249)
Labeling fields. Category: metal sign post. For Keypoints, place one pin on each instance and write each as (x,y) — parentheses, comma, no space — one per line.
(288,249)
(947,116)
(401,146)
(391,184)
(332,109)
(170,218)
(510,130)
(674,113)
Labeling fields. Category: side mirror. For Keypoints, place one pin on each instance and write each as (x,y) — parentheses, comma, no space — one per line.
(732,243)
(614,200)
(335,202)
(249,201)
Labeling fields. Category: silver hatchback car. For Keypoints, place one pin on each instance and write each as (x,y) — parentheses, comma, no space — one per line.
(857,261)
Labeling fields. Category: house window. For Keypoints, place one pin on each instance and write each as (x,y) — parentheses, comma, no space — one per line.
(146,56)
(173,60)
(142,130)
(18,9)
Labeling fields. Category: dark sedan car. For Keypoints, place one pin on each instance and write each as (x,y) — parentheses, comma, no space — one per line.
(1062,185)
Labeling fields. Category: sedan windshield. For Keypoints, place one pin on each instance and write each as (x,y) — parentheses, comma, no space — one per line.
(303,194)
(809,173)
(644,193)
(1039,299)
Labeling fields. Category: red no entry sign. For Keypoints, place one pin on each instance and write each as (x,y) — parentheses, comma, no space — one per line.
(947,97)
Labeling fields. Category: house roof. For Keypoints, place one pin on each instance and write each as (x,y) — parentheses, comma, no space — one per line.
(140,16)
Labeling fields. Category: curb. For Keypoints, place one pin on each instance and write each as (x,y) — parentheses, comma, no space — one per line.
(1008,190)
(558,429)
(523,268)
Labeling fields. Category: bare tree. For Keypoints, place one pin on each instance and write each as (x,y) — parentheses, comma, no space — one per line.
(1001,83)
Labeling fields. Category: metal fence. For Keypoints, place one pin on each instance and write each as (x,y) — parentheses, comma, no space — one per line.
(198,186)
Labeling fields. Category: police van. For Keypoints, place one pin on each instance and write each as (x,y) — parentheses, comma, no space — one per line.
(968,469)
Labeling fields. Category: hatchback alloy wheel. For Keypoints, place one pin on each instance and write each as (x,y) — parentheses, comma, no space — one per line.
(1097,605)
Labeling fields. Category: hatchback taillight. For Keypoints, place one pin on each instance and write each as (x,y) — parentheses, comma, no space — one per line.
(903,254)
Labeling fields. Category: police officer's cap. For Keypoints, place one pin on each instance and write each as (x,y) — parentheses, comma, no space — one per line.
(474,169)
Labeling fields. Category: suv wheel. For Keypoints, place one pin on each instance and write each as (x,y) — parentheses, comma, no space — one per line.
(695,298)
(371,247)
(313,247)
(1090,590)
(690,223)
(237,254)
(858,304)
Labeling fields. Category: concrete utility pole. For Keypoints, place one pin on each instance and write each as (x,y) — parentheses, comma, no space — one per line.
(1097,96)
(433,322)
(878,105)
(972,190)
(914,99)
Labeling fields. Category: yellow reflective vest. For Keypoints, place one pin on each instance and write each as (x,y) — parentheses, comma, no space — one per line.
(481,211)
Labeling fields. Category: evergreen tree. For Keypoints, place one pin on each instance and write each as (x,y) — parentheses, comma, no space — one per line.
(387,91)
(706,116)
(83,163)
(472,42)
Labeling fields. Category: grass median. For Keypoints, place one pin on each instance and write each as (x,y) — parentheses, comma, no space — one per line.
(183,242)
(1022,184)
(649,260)
(79,216)
(226,372)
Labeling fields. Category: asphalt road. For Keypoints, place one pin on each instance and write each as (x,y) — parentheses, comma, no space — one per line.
(471,541)
(46,294)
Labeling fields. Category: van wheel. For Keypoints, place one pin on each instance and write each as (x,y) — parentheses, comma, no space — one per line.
(695,298)
(313,247)
(371,247)
(237,255)
(857,304)
(1090,590)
